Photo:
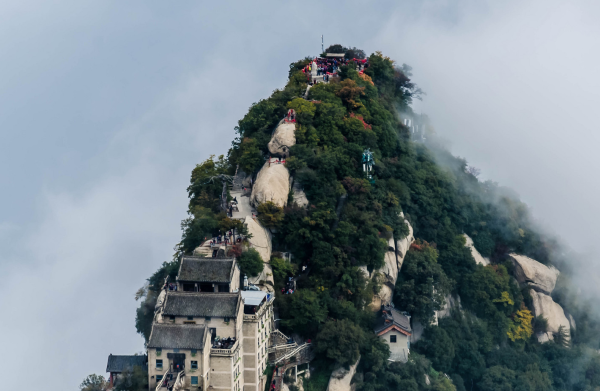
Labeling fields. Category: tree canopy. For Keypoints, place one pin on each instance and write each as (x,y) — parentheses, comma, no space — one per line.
(345,229)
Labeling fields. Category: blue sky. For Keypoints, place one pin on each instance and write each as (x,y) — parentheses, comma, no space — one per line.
(106,106)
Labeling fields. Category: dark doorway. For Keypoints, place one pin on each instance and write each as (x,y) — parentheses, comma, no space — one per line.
(177,361)
(213,334)
(206,288)
(223,287)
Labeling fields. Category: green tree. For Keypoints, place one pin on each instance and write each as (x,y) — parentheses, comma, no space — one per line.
(305,110)
(438,347)
(533,379)
(498,378)
(136,380)
(340,340)
(270,214)
(93,383)
(251,263)
(281,268)
(302,312)
(422,283)
(251,157)
(443,384)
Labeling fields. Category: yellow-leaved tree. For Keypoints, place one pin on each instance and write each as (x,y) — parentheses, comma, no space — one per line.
(520,327)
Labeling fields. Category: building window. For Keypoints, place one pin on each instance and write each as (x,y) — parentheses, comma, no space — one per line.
(194,380)
(194,351)
(158,378)
(207,318)
(227,320)
(158,351)
(175,350)
(194,364)
(159,364)
(172,317)
(392,338)
(190,318)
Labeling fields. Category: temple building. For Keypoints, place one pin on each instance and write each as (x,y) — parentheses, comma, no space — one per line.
(118,364)
(394,328)
(206,333)
(208,275)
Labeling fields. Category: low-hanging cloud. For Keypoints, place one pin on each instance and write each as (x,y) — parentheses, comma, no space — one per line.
(107,107)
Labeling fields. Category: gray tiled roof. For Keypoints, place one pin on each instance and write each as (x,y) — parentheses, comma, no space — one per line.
(125,363)
(394,317)
(202,304)
(205,269)
(177,336)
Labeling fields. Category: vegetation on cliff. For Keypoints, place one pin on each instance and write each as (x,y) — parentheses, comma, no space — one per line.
(486,347)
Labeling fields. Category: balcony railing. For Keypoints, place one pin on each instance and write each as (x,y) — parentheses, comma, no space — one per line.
(226,352)
(261,310)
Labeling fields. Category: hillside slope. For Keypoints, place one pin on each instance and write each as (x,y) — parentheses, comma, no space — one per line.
(351,240)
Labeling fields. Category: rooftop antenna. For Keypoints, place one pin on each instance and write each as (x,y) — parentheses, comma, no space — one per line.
(322,47)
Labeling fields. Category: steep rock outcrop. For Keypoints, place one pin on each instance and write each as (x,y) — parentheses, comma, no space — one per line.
(272,184)
(299,194)
(403,245)
(283,138)
(340,378)
(543,305)
(264,280)
(261,238)
(534,274)
(388,273)
(476,255)
(451,302)
(261,242)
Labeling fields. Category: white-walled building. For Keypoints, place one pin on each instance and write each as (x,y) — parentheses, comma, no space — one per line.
(394,328)
(215,335)
(257,327)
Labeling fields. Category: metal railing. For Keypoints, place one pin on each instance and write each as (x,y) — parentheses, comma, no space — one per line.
(280,334)
(294,352)
(162,381)
(178,385)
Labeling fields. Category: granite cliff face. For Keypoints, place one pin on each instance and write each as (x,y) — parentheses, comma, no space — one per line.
(388,273)
(476,255)
(543,305)
(272,184)
(283,138)
(534,274)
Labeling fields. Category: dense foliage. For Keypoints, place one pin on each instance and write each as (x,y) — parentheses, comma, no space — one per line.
(488,345)
(93,383)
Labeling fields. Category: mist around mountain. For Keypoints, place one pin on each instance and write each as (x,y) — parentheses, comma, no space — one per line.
(490,342)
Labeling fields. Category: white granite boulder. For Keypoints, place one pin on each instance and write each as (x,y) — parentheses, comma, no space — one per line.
(543,305)
(341,378)
(261,242)
(299,195)
(476,255)
(261,238)
(388,273)
(283,138)
(534,274)
(403,245)
(272,184)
